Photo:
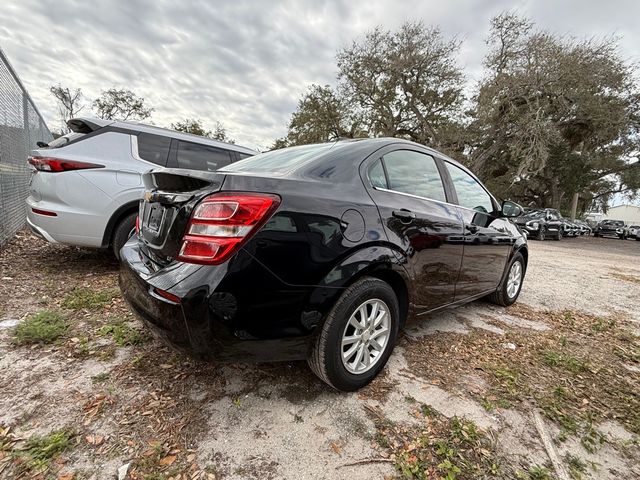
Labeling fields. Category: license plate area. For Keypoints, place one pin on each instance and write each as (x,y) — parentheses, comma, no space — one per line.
(155,219)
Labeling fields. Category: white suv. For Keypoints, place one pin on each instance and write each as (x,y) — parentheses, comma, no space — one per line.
(87,184)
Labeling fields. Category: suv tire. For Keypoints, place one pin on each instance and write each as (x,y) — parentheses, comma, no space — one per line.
(327,357)
(122,232)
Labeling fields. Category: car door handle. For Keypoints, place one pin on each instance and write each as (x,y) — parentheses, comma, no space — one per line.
(472,228)
(404,215)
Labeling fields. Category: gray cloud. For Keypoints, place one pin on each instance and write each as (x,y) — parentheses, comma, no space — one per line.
(246,63)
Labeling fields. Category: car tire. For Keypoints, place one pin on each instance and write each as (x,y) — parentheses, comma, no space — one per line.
(122,232)
(541,234)
(326,357)
(558,236)
(502,295)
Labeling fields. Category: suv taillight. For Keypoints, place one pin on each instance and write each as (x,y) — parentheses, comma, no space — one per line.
(221,223)
(50,164)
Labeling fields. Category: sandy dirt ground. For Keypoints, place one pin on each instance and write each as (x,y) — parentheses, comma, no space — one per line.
(124,402)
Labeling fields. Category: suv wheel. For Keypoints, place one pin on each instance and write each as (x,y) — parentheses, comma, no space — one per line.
(122,232)
(358,335)
(509,289)
(541,234)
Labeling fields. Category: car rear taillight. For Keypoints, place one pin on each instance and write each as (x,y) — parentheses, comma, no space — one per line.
(50,164)
(221,223)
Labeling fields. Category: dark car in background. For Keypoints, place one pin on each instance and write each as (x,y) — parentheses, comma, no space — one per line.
(541,223)
(610,228)
(317,252)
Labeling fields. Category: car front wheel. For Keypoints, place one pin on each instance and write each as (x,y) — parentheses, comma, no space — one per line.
(357,336)
(541,234)
(509,289)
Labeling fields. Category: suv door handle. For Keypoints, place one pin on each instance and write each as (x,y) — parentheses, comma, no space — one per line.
(404,215)
(471,228)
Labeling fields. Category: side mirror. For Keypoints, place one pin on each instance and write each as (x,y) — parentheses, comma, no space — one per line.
(511,209)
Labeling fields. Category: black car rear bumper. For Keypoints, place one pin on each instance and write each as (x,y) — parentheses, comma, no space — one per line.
(214,318)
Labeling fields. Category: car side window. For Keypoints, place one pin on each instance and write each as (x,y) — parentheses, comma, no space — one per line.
(470,193)
(201,157)
(154,148)
(376,175)
(414,173)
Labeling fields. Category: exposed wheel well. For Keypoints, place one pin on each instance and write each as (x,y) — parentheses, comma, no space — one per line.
(116,218)
(397,283)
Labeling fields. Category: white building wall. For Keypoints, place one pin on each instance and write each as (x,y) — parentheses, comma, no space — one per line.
(630,214)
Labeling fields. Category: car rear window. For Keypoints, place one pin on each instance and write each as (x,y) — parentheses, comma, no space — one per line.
(285,159)
(615,223)
(63,140)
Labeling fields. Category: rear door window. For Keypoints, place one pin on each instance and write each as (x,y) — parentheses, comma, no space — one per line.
(154,148)
(413,173)
(202,157)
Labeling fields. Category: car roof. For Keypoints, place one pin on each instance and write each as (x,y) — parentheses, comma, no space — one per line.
(92,123)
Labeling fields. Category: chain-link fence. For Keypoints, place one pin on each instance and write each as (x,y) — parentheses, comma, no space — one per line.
(21,126)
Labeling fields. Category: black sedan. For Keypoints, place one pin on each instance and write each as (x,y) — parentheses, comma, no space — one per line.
(317,252)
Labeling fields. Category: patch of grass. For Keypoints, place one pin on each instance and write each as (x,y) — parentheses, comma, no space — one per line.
(540,473)
(553,358)
(438,448)
(100,378)
(572,371)
(122,334)
(38,452)
(85,298)
(46,326)
(576,466)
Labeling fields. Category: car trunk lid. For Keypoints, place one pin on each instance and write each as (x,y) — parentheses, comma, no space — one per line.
(169,198)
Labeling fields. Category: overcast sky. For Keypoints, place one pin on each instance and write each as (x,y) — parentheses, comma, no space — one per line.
(245,63)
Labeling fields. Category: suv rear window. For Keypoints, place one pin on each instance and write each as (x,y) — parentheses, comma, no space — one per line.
(154,148)
(63,140)
(202,157)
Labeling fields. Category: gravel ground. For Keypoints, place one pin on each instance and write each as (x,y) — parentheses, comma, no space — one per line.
(126,401)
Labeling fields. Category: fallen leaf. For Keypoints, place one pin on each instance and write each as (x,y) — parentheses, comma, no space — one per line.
(168,460)
(336,448)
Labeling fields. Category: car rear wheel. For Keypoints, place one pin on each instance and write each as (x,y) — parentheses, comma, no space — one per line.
(558,235)
(509,289)
(122,232)
(357,336)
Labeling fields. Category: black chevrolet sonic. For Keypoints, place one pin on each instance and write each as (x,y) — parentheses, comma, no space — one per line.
(317,252)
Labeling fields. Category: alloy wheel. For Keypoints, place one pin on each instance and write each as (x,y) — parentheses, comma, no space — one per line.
(514,279)
(365,336)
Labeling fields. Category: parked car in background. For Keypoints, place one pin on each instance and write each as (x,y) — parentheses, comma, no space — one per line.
(568,228)
(317,252)
(87,185)
(610,228)
(541,223)
(634,231)
(585,229)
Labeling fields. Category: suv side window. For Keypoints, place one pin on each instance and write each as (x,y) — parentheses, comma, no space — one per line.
(413,173)
(154,148)
(201,157)
(470,193)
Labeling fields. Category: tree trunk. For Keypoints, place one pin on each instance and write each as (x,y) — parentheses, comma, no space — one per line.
(574,206)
